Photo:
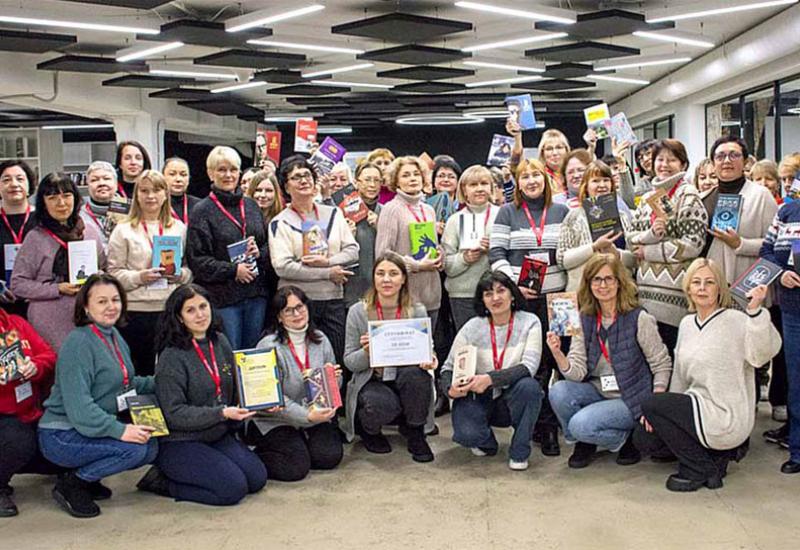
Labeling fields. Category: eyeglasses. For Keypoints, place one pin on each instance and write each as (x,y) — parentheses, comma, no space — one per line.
(442,176)
(297,178)
(370,181)
(730,155)
(604,281)
(296,310)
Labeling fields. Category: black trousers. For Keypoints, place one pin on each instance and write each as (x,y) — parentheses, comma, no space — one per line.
(140,334)
(444,331)
(669,335)
(547,420)
(330,317)
(290,453)
(19,451)
(380,403)
(778,386)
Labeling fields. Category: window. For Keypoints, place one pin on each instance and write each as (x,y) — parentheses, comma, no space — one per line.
(722,119)
(790,117)
(759,108)
(660,129)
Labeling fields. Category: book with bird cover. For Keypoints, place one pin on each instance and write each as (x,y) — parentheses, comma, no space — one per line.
(423,240)
(563,313)
(322,388)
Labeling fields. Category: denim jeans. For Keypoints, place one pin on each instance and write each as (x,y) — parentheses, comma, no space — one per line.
(586,416)
(94,457)
(791,346)
(474,414)
(243,322)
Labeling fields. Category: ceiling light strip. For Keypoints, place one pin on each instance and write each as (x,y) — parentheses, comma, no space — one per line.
(674,39)
(254,19)
(155,50)
(539,13)
(503,81)
(514,42)
(643,63)
(35,21)
(622,79)
(193,74)
(343,84)
(681,13)
(301,46)
(337,70)
(237,87)
(490,65)
(77,126)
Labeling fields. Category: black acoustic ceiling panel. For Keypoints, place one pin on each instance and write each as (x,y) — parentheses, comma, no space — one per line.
(146,81)
(308,89)
(204,33)
(181,93)
(89,64)
(249,59)
(605,23)
(425,72)
(567,70)
(581,51)
(429,87)
(34,42)
(555,85)
(402,27)
(136,4)
(280,76)
(412,54)
(223,108)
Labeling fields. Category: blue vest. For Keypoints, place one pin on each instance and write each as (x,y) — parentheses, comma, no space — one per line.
(630,366)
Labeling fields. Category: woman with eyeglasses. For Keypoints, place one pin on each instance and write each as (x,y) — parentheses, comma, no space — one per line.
(41,270)
(176,173)
(613,365)
(553,148)
(382,158)
(445,175)
(132,160)
(368,184)
(299,437)
(643,155)
(237,283)
(17,183)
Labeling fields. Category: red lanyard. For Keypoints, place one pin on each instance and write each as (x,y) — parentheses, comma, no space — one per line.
(302,366)
(121,190)
(498,362)
(185,219)
(537,230)
(379,310)
(303,216)
(147,233)
(242,226)
(55,237)
(422,211)
(16,236)
(486,218)
(94,218)
(114,351)
(213,373)
(603,348)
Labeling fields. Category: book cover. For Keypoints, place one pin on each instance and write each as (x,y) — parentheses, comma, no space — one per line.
(596,117)
(238,254)
(500,150)
(563,313)
(660,204)
(168,254)
(268,147)
(350,202)
(427,160)
(470,230)
(520,108)
(531,274)
(762,272)
(258,380)
(146,412)
(82,260)
(727,213)
(322,388)
(465,364)
(11,357)
(327,155)
(795,255)
(620,129)
(305,135)
(119,205)
(602,214)
(315,242)
(423,240)
(443,205)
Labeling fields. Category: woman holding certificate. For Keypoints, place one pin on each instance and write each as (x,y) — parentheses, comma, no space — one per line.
(380,396)
(299,437)
(200,460)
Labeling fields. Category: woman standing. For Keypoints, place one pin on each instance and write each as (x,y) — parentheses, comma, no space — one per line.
(446,173)
(368,184)
(614,364)
(41,272)
(264,189)
(238,289)
(101,179)
(130,260)
(176,174)
(383,159)
(644,168)
(82,428)
(17,183)
(132,160)
(573,168)
(705,178)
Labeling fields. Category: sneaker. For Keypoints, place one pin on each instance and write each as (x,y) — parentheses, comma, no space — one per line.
(73,495)
(775,435)
(582,455)
(99,491)
(7,507)
(480,451)
(417,445)
(376,443)
(518,466)
(780,414)
(154,481)
(628,454)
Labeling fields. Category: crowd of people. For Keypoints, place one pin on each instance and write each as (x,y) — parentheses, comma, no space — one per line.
(666,365)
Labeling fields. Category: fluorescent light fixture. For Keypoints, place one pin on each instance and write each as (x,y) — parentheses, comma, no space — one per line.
(77,126)
(300,46)
(265,17)
(514,42)
(623,79)
(501,65)
(39,22)
(288,117)
(488,113)
(141,54)
(503,81)
(675,38)
(539,13)
(705,9)
(332,129)
(193,74)
(343,84)
(237,87)
(794,110)
(337,70)
(437,119)
(644,61)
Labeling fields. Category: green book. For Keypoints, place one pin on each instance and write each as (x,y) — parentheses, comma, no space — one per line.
(423,240)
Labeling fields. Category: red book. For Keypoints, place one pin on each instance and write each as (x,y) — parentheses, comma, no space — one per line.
(322,388)
(305,135)
(531,274)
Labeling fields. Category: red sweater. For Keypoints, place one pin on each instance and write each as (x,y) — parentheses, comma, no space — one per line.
(42,355)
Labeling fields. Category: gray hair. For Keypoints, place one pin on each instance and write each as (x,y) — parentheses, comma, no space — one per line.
(100,165)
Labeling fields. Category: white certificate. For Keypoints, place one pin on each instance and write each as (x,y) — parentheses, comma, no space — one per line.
(404,342)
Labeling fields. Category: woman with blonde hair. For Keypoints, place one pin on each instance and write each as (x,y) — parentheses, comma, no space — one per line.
(705,178)
(765,173)
(613,365)
(553,147)
(265,190)
(787,170)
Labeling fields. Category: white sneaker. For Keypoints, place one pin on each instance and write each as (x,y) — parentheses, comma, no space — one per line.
(779,413)
(477,452)
(518,466)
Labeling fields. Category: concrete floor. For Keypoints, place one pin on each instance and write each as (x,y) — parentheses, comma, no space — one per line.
(459,502)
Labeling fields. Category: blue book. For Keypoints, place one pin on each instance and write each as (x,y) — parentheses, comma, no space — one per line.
(795,255)
(520,108)
(727,212)
(238,254)
(168,254)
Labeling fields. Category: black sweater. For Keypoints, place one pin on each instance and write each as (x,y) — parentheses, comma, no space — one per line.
(210,233)
(19,307)
(177,205)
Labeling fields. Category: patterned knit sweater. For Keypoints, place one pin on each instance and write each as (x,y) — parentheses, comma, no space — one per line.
(777,248)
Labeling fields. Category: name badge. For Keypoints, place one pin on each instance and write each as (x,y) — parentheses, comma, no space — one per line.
(608,382)
(122,403)
(23,391)
(389,374)
(10,256)
(543,257)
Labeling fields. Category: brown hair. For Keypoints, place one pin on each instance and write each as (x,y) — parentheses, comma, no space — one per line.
(277,204)
(156,179)
(397,164)
(596,169)
(551,134)
(473,173)
(581,154)
(371,296)
(627,298)
(700,167)
(80,317)
(765,169)
(675,147)
(790,161)
(724,299)
(533,165)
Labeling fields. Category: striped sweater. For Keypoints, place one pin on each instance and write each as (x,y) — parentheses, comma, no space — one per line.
(777,248)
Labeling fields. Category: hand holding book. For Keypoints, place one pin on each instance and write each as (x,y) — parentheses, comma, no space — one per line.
(756,297)
(605,243)
(790,279)
(238,414)
(730,237)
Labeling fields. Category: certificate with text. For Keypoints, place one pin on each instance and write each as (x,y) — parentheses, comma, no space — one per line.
(400,343)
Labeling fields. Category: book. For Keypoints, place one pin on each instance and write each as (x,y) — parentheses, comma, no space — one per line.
(322,388)
(470,230)
(238,254)
(602,213)
(465,364)
(620,129)
(257,377)
(520,108)
(305,135)
(268,147)
(794,256)
(168,254)
(531,274)
(423,240)
(119,205)
(426,159)
(727,213)
(660,204)
(350,202)
(563,313)
(11,357)
(82,260)
(146,412)
(500,150)
(794,188)
(596,117)
(762,272)
(315,241)
(327,155)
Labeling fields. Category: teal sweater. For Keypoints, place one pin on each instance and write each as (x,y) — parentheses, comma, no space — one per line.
(88,380)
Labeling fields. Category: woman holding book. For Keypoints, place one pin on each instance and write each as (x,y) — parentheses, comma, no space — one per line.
(41,272)
(526,231)
(17,183)
(502,391)
(83,427)
(176,173)
(226,249)
(368,185)
(706,418)
(144,254)
(614,363)
(575,242)
(132,160)
(298,437)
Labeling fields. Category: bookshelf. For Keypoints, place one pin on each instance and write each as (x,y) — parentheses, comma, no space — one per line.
(21,144)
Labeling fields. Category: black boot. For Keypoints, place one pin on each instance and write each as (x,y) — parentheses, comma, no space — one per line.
(75,497)
(417,445)
(7,507)
(99,491)
(550,445)
(680,484)
(442,406)
(777,434)
(628,454)
(376,443)
(582,455)
(154,481)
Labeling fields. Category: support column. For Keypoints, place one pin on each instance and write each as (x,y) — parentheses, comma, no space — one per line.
(690,128)
(144,128)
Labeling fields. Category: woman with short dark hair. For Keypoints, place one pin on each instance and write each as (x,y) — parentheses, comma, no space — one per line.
(17,183)
(132,159)
(176,173)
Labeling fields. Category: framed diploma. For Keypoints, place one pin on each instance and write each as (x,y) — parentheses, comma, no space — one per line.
(257,379)
(400,343)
